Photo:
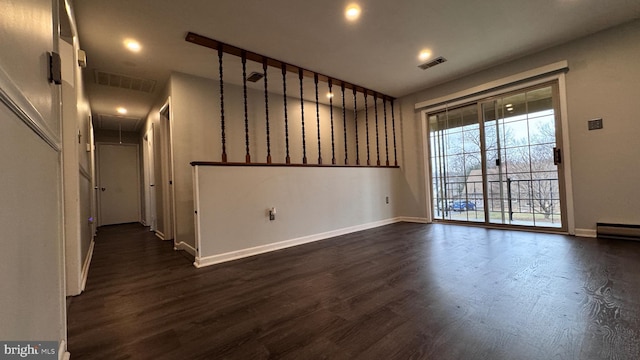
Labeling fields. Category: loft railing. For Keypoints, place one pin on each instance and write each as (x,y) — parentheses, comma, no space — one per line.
(268,63)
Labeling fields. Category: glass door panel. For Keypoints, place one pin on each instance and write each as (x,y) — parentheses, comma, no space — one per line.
(456,168)
(494,130)
(521,175)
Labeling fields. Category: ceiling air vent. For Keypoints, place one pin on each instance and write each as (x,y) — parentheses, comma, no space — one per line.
(125,82)
(255,77)
(432,63)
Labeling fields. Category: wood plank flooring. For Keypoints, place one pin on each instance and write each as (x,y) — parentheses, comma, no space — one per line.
(403,291)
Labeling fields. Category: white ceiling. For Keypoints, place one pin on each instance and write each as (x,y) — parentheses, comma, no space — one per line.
(379,51)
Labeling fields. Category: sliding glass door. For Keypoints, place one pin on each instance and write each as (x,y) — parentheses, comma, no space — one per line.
(497,161)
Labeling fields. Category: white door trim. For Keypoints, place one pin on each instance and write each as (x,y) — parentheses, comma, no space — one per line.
(169,193)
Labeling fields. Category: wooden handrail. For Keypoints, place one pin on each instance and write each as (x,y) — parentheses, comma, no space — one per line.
(234,50)
(215,163)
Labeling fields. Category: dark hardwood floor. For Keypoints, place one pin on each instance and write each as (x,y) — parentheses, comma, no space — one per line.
(403,291)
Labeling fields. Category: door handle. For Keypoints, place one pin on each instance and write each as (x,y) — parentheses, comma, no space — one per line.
(103,189)
(557,156)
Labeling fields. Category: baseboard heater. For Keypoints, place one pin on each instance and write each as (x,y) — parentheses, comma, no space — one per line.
(618,231)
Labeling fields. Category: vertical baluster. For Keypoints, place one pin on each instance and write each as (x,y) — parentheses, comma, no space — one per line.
(222,125)
(315,79)
(366,123)
(333,146)
(266,109)
(246,113)
(375,101)
(393,123)
(386,136)
(344,124)
(286,120)
(355,120)
(304,140)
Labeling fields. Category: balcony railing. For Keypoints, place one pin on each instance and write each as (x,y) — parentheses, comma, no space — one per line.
(514,200)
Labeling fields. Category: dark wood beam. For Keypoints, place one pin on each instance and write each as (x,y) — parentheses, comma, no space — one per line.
(259,58)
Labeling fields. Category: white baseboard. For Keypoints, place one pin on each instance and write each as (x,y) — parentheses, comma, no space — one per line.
(63,354)
(85,267)
(242,253)
(414,220)
(186,247)
(590,233)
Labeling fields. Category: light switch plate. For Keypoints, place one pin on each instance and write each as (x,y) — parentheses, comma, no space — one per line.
(595,124)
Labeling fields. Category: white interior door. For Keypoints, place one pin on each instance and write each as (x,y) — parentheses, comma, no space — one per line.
(119,184)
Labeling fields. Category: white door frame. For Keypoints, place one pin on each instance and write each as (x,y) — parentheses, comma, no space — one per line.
(166,133)
(146,219)
(553,72)
(150,180)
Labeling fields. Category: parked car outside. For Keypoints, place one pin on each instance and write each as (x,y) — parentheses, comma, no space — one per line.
(463,205)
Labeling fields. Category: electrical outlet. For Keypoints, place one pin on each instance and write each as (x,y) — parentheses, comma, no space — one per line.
(595,124)
(386,200)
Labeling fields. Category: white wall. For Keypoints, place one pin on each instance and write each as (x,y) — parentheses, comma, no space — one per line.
(32,301)
(26,29)
(602,82)
(32,277)
(232,205)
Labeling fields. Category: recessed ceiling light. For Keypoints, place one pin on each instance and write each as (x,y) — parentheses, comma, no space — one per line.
(132,45)
(352,13)
(424,54)
(329,95)
(121,110)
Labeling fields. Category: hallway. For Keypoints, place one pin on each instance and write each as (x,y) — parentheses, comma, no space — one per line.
(396,292)
(134,277)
